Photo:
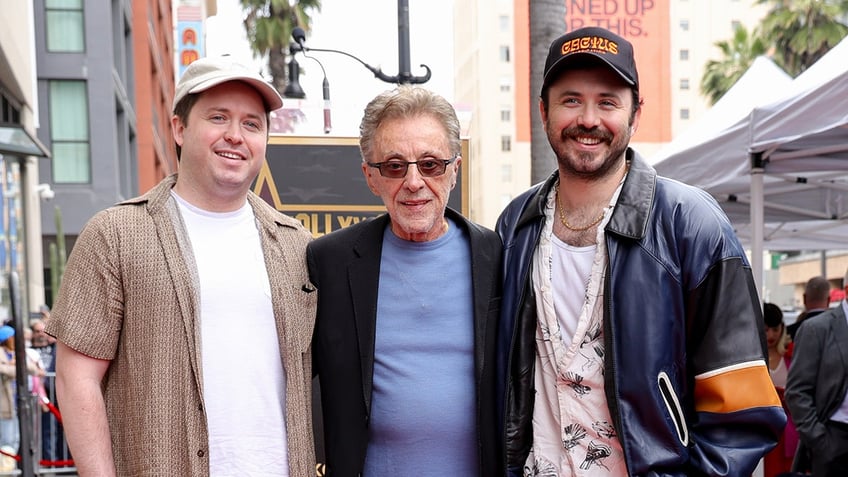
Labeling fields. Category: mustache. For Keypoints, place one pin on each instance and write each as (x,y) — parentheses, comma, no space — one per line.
(594,133)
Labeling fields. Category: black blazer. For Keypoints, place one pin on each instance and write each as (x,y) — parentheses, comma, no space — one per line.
(817,382)
(345,267)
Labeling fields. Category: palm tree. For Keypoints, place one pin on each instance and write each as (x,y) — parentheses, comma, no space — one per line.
(802,31)
(269,25)
(737,56)
(547,22)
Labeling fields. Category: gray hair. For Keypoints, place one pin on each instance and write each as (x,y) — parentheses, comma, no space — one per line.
(406,102)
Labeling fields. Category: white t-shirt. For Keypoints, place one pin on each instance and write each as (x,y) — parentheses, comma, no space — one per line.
(570,271)
(243,376)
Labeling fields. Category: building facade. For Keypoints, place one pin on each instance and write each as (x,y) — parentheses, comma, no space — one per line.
(105,77)
(20,230)
(487,84)
(84,52)
(154,51)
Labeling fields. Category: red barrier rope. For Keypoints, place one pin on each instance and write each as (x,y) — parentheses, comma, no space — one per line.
(53,409)
(44,462)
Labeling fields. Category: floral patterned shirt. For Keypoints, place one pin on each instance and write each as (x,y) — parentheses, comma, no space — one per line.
(573,433)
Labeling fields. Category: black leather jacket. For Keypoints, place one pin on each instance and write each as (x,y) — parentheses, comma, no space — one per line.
(686,378)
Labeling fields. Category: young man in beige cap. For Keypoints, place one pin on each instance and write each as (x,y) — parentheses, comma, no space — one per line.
(631,332)
(185,315)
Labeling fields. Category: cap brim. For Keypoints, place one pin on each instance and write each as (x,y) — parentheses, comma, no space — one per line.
(561,63)
(270,96)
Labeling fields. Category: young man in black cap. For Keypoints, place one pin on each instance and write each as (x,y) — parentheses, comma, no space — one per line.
(631,335)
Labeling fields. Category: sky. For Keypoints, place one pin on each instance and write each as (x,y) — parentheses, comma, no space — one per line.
(367,29)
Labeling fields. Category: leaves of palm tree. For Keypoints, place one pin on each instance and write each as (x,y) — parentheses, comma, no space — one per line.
(802,31)
(737,56)
(269,25)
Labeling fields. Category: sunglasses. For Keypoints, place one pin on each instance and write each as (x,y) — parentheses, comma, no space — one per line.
(397,169)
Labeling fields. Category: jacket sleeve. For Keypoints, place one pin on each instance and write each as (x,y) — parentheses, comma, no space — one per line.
(737,416)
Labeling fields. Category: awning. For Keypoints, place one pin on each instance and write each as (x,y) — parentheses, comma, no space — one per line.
(16,141)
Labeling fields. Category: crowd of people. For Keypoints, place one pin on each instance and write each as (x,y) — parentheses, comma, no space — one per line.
(604,328)
(40,366)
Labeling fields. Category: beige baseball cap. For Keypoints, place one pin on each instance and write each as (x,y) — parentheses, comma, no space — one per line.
(205,73)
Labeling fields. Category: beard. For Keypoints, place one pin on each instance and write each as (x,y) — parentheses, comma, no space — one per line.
(584,164)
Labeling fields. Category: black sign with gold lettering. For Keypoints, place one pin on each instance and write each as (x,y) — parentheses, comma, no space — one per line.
(319,181)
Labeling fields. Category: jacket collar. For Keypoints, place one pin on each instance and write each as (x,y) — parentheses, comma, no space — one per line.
(632,210)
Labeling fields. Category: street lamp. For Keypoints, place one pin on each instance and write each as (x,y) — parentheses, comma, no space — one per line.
(404,76)
(293,88)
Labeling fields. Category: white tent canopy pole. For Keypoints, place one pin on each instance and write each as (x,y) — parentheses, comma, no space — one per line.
(757,221)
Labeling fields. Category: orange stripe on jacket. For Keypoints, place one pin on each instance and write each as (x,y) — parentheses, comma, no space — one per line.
(736,390)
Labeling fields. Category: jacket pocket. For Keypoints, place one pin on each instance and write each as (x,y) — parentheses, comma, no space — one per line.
(672,403)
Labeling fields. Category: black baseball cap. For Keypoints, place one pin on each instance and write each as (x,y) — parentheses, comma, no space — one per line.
(596,42)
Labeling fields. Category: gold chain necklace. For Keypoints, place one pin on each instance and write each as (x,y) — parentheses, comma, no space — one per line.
(571,227)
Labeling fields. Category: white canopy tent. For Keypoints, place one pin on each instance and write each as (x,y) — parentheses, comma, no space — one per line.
(781,172)
(721,132)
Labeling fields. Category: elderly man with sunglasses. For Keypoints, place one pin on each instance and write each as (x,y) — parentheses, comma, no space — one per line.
(407,308)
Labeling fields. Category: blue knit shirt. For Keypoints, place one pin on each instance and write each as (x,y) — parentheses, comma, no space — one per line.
(423,414)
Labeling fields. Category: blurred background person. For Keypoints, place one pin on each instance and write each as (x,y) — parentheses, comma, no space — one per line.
(779,460)
(776,339)
(52,435)
(817,389)
(816,300)
(9,431)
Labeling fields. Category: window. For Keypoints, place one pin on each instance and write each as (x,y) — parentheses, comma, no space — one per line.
(504,53)
(10,109)
(506,115)
(505,85)
(684,83)
(69,133)
(65,26)
(506,143)
(684,55)
(503,22)
(506,172)
(684,113)
(684,24)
